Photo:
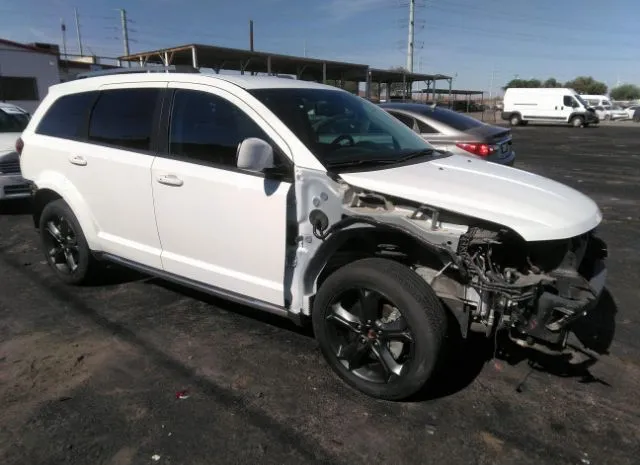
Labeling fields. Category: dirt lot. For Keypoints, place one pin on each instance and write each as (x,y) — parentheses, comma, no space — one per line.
(89,376)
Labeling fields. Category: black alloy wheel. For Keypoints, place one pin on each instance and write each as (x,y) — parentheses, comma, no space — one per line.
(64,244)
(61,245)
(380,327)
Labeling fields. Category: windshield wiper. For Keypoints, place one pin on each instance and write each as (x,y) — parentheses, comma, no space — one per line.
(380,161)
(416,154)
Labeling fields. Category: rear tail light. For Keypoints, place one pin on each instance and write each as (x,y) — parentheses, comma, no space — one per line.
(482,150)
(19,145)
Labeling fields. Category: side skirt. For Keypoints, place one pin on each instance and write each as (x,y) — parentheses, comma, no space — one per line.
(196,285)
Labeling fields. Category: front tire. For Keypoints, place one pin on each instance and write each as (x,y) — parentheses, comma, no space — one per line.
(380,327)
(64,244)
(577,122)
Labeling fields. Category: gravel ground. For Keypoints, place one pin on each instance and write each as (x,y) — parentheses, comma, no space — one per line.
(90,375)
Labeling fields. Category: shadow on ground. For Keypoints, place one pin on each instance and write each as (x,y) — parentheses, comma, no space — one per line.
(464,360)
(15,207)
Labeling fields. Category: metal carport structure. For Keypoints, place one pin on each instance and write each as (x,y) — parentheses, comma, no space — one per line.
(250,61)
(390,76)
(456,93)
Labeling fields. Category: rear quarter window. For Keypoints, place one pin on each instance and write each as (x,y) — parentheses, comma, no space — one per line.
(455,120)
(66,118)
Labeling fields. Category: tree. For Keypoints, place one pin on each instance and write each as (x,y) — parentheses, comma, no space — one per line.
(527,83)
(587,85)
(625,92)
(551,82)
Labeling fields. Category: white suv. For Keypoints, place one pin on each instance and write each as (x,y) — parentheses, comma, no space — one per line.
(304,200)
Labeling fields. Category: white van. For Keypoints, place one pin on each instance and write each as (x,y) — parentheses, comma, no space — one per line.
(604,108)
(547,105)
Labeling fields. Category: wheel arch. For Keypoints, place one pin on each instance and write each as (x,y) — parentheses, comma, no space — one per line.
(348,245)
(51,188)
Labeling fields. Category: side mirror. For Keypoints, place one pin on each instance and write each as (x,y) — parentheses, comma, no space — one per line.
(254,155)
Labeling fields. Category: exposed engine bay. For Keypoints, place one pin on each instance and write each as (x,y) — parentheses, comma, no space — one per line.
(487,275)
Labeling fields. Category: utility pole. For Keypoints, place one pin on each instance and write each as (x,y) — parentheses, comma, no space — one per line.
(305,48)
(64,38)
(251,35)
(78,30)
(412,8)
(493,72)
(125,31)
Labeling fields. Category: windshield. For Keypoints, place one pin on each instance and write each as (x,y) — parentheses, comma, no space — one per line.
(340,128)
(13,122)
(581,100)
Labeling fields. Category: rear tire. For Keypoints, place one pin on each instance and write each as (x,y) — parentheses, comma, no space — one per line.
(357,338)
(64,244)
(515,119)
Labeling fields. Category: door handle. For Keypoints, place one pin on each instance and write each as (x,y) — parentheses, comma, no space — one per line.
(78,160)
(170,180)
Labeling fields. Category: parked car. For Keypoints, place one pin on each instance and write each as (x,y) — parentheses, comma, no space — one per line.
(611,113)
(13,120)
(630,110)
(454,132)
(547,105)
(222,183)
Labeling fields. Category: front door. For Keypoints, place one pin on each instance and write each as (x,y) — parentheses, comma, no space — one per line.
(219,225)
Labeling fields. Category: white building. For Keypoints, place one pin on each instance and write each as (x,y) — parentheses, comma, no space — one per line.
(27,71)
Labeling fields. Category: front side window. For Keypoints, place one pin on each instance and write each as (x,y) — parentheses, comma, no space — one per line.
(568,101)
(207,128)
(341,129)
(124,118)
(66,118)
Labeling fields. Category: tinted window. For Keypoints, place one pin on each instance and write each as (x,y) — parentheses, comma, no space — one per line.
(67,116)
(13,122)
(124,118)
(451,118)
(208,128)
(424,128)
(407,120)
(567,101)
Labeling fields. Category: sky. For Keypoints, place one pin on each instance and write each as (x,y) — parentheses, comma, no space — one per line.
(482,43)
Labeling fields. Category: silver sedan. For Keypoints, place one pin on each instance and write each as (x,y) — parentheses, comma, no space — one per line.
(454,132)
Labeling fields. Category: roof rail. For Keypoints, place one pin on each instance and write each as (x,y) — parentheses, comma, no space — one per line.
(137,69)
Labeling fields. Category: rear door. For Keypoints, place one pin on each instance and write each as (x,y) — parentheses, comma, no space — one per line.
(101,143)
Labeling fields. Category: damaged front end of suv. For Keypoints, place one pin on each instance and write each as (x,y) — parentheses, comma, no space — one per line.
(488,275)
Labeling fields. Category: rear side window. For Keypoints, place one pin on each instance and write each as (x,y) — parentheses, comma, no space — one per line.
(407,120)
(455,120)
(124,118)
(424,128)
(66,118)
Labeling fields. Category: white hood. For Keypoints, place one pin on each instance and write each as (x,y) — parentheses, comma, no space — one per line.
(535,207)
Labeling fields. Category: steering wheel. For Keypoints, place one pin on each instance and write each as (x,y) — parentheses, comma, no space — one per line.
(342,137)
